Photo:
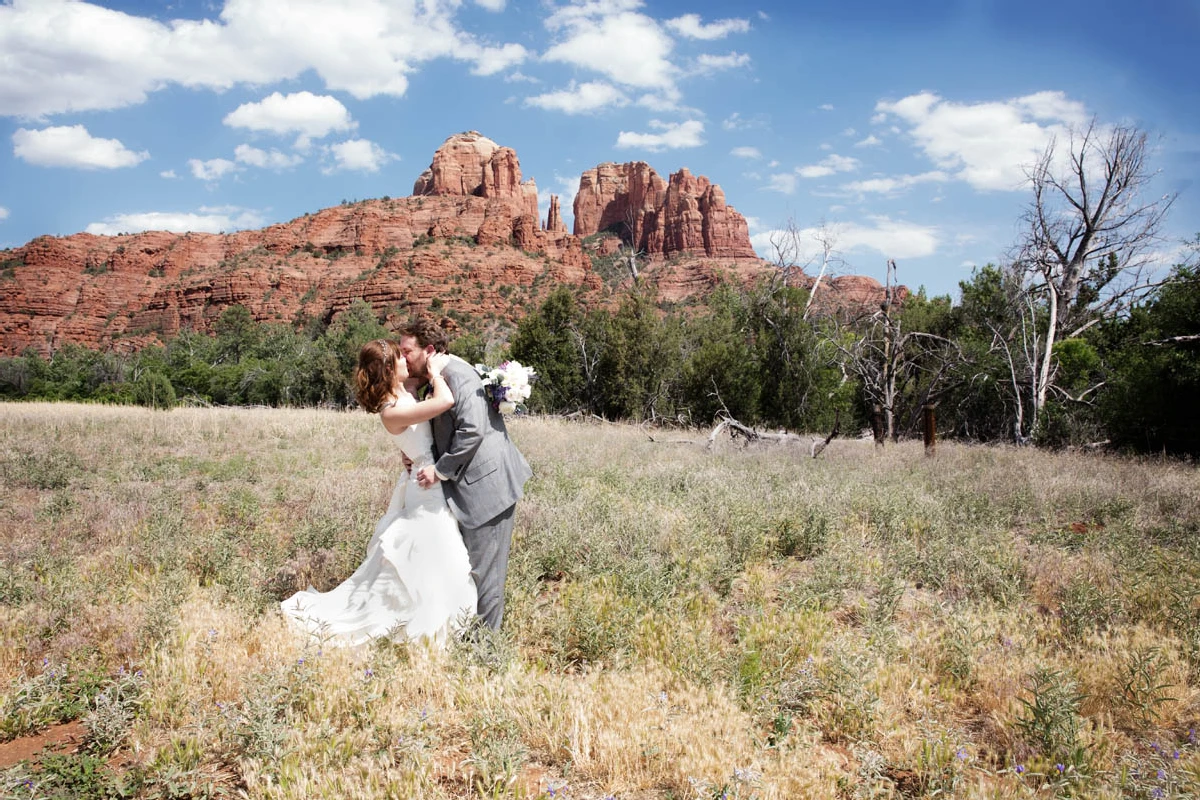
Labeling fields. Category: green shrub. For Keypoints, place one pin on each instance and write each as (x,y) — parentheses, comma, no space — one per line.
(154,390)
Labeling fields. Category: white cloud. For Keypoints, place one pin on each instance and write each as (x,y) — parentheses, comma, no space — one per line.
(3,213)
(887,237)
(169,174)
(706,63)
(520,77)
(491,5)
(897,183)
(665,100)
(206,220)
(580,99)
(890,238)
(490,60)
(736,122)
(745,152)
(690,26)
(672,136)
(65,55)
(829,165)
(870,141)
(784,183)
(358,154)
(990,144)
(305,113)
(609,37)
(825,107)
(255,157)
(72,146)
(212,170)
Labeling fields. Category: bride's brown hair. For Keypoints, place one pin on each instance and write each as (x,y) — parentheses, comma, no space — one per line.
(375,376)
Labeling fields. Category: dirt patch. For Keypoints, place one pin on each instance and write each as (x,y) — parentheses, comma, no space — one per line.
(65,738)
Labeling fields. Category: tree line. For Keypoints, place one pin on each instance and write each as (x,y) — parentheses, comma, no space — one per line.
(1130,382)
(746,353)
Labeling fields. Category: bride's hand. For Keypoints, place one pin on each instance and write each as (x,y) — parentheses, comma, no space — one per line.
(436,363)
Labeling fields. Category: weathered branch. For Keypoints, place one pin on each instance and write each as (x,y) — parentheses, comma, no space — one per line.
(819,445)
(1174,340)
(737,429)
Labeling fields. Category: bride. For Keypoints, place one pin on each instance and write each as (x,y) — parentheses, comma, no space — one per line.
(415,582)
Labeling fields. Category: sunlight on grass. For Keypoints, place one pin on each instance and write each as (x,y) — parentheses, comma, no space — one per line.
(682,623)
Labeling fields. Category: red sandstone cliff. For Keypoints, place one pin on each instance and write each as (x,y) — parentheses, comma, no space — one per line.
(554,220)
(685,215)
(401,255)
(470,164)
(469,240)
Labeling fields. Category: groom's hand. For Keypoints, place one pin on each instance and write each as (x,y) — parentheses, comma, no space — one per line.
(427,477)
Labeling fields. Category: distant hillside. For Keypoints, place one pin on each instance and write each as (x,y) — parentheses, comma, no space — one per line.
(467,244)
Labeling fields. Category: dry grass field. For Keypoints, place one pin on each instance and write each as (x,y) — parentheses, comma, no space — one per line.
(682,623)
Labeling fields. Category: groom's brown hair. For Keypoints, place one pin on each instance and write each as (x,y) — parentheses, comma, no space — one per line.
(426,332)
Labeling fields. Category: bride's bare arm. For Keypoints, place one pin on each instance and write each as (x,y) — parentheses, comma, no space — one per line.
(395,419)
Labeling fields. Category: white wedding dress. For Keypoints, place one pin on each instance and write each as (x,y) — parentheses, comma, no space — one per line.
(415,582)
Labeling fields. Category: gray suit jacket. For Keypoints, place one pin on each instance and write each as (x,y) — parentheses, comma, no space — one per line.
(484,470)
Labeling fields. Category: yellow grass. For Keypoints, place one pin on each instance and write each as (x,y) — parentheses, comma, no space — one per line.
(682,622)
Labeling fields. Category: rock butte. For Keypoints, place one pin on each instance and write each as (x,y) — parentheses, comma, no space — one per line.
(468,238)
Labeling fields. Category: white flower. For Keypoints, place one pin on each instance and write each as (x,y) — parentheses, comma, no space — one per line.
(507,386)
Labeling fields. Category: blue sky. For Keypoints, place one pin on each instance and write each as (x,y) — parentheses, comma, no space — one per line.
(901,129)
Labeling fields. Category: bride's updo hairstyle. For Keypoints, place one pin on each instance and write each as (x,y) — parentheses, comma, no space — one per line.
(375,376)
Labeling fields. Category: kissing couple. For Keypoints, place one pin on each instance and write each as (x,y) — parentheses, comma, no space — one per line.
(438,559)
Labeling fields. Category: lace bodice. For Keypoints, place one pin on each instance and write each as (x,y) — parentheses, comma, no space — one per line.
(416,441)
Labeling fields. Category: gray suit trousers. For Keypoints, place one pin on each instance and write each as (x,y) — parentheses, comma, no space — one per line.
(488,547)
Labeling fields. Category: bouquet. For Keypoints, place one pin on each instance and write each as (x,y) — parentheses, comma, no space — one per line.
(507,386)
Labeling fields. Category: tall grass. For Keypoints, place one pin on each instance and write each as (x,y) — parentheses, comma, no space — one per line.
(682,623)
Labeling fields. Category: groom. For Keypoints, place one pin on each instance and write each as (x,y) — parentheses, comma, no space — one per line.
(481,471)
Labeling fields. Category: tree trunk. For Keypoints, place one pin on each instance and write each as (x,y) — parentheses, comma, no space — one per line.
(1043,372)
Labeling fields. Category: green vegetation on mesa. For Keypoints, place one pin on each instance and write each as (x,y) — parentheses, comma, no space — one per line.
(751,354)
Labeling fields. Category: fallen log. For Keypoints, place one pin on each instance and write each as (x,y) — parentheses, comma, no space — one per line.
(737,429)
(819,445)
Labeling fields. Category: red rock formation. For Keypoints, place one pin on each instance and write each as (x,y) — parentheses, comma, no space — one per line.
(128,291)
(618,198)
(854,294)
(469,236)
(686,215)
(554,220)
(470,164)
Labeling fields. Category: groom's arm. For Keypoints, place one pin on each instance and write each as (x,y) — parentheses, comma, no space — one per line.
(470,415)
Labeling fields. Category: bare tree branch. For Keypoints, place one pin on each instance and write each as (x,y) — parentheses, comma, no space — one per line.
(1173,340)
(1088,248)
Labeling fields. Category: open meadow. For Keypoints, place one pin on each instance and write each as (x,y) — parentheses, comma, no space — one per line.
(740,622)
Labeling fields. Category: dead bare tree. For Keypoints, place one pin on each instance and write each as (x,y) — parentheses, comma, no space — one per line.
(589,361)
(1088,245)
(794,257)
(887,360)
(827,239)
(631,250)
